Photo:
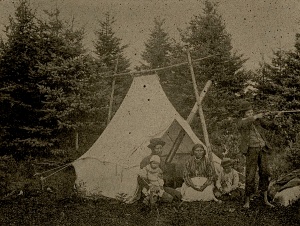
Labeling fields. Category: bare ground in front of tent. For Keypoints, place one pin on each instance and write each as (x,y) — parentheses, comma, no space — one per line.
(49,209)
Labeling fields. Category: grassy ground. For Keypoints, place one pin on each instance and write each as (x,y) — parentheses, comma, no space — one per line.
(47,209)
(62,207)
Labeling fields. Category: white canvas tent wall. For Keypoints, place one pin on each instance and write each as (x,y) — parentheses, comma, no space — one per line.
(110,166)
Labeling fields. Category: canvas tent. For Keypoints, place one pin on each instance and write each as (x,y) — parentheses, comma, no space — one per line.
(110,167)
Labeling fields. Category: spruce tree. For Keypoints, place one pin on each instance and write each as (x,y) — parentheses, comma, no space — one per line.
(70,84)
(44,72)
(108,47)
(20,98)
(280,90)
(110,54)
(158,46)
(206,36)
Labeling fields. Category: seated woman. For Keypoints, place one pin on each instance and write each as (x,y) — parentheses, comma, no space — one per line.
(199,177)
(227,185)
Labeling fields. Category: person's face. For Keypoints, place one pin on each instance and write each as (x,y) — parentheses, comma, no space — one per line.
(154,165)
(199,153)
(227,169)
(157,150)
(249,113)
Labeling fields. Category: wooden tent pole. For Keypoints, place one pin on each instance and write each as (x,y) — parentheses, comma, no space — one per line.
(195,108)
(140,73)
(76,141)
(111,100)
(182,132)
(200,110)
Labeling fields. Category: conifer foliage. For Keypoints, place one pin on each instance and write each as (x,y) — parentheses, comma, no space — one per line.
(206,36)
(279,90)
(110,54)
(108,47)
(20,98)
(158,46)
(43,75)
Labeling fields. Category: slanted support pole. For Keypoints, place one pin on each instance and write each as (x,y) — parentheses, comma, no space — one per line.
(111,100)
(191,116)
(200,110)
(182,132)
(76,140)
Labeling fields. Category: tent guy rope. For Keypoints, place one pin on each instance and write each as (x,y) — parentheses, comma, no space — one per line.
(65,166)
(37,174)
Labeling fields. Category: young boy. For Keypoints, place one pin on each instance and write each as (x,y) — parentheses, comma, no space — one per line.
(256,148)
(152,175)
(227,185)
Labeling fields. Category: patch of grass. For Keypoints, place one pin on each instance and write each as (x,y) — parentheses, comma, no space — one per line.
(46,209)
(279,163)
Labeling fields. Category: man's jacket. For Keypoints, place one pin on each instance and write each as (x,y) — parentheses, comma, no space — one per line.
(245,126)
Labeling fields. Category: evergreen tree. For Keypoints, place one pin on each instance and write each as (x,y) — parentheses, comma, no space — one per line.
(20,97)
(206,36)
(108,46)
(110,53)
(280,89)
(69,85)
(43,73)
(158,46)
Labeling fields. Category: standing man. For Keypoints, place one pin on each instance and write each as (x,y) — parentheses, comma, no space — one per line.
(256,149)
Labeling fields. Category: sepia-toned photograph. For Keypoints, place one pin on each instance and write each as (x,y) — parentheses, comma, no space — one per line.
(150,112)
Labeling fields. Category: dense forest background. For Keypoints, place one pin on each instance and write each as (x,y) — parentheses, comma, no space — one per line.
(55,95)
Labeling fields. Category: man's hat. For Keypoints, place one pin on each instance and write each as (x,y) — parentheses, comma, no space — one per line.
(156,141)
(245,106)
(155,158)
(227,162)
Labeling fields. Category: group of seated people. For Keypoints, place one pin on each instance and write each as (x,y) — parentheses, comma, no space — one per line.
(202,182)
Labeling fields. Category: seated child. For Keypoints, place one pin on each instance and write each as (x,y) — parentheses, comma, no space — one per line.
(227,185)
(152,175)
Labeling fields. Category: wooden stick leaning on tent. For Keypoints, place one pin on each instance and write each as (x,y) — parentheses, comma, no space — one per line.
(111,100)
(189,120)
(200,110)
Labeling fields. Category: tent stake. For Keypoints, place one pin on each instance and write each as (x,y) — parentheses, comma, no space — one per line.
(200,110)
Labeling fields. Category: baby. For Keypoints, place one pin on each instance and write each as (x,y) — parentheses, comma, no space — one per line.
(152,175)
